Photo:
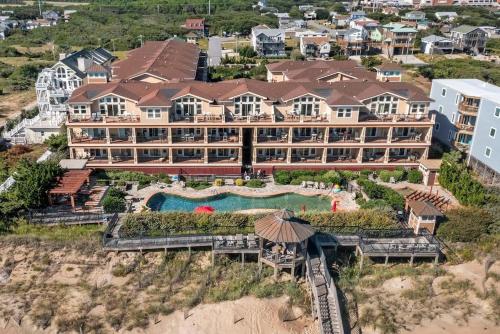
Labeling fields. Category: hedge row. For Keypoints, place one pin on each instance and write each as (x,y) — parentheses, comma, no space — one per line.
(162,223)
(379,192)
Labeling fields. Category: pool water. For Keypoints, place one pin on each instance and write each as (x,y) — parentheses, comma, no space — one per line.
(232,202)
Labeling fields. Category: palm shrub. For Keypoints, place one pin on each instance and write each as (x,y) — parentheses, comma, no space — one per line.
(376,191)
(239,182)
(114,201)
(219,182)
(415,176)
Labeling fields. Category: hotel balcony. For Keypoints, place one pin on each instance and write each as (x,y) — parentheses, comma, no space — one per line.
(88,139)
(272,135)
(188,137)
(469,105)
(148,159)
(224,138)
(270,155)
(373,117)
(271,159)
(295,117)
(379,136)
(157,139)
(374,155)
(204,118)
(344,135)
(97,118)
(342,155)
(300,136)
(307,155)
(121,137)
(418,136)
(405,155)
(260,118)
(223,159)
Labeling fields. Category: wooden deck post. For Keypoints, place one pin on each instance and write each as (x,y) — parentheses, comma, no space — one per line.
(436,259)
(213,257)
(386,259)
(361,262)
(411,260)
(276,272)
(242,259)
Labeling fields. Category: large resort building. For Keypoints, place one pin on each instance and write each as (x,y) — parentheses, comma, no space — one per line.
(336,115)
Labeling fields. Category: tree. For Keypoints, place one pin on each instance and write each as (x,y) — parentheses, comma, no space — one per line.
(339,8)
(322,14)
(370,62)
(296,55)
(247,52)
(57,143)
(465,224)
(295,13)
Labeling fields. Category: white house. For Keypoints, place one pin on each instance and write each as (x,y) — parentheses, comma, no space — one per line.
(268,42)
(315,46)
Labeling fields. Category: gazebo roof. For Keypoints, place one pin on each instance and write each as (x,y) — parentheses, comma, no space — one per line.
(424,208)
(70,182)
(282,226)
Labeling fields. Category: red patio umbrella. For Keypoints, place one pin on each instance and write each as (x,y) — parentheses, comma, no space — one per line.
(204,209)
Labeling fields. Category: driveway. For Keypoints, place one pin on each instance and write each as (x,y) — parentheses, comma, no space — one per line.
(214,51)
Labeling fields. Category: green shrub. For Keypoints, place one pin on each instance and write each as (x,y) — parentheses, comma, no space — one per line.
(465,224)
(397,174)
(331,177)
(198,185)
(255,183)
(415,176)
(385,175)
(376,191)
(348,175)
(219,182)
(114,192)
(239,182)
(282,177)
(112,204)
(102,182)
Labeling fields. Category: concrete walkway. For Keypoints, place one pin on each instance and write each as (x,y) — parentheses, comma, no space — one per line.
(214,51)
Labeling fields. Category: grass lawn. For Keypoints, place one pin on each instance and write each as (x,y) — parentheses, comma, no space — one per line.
(120,54)
(19,61)
(58,233)
(203,43)
(34,49)
(232,45)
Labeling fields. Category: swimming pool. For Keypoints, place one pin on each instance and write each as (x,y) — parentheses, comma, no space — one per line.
(233,202)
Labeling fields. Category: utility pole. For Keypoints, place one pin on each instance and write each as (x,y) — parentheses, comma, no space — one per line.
(40,7)
(141,37)
(208,7)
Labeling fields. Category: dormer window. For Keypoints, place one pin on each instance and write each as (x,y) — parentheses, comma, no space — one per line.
(188,106)
(306,106)
(418,108)
(79,109)
(112,106)
(247,105)
(61,73)
(384,104)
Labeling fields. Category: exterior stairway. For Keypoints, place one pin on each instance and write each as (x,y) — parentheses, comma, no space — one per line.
(325,295)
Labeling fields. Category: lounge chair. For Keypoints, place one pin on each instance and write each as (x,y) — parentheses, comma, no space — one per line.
(303,184)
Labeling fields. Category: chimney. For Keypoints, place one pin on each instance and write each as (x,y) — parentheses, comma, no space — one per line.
(81,63)
(62,56)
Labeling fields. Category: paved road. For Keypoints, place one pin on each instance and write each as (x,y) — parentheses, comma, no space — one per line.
(214,51)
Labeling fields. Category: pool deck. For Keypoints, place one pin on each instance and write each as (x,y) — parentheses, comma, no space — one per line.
(346,201)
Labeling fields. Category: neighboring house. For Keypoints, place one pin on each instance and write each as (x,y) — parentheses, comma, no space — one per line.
(317,47)
(446,16)
(340,21)
(414,16)
(317,71)
(433,3)
(491,31)
(4,30)
(389,72)
(268,42)
(38,23)
(352,41)
(192,37)
(310,15)
(390,11)
(364,24)
(376,35)
(283,19)
(482,3)
(55,85)
(436,45)
(67,14)
(398,39)
(357,15)
(51,15)
(469,38)
(197,25)
(305,8)
(468,118)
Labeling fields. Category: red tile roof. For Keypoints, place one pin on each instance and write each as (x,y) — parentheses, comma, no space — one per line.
(171,60)
(195,24)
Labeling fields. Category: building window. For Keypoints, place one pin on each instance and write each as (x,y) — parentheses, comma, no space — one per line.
(443,92)
(440,109)
(453,118)
(153,113)
(487,152)
(437,126)
(450,135)
(420,108)
(188,106)
(457,98)
(344,112)
(112,106)
(247,105)
(306,106)
(79,109)
(493,132)
(385,104)
(61,73)
(497,112)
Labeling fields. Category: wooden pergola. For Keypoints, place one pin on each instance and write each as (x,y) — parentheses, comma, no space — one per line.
(69,185)
(283,241)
